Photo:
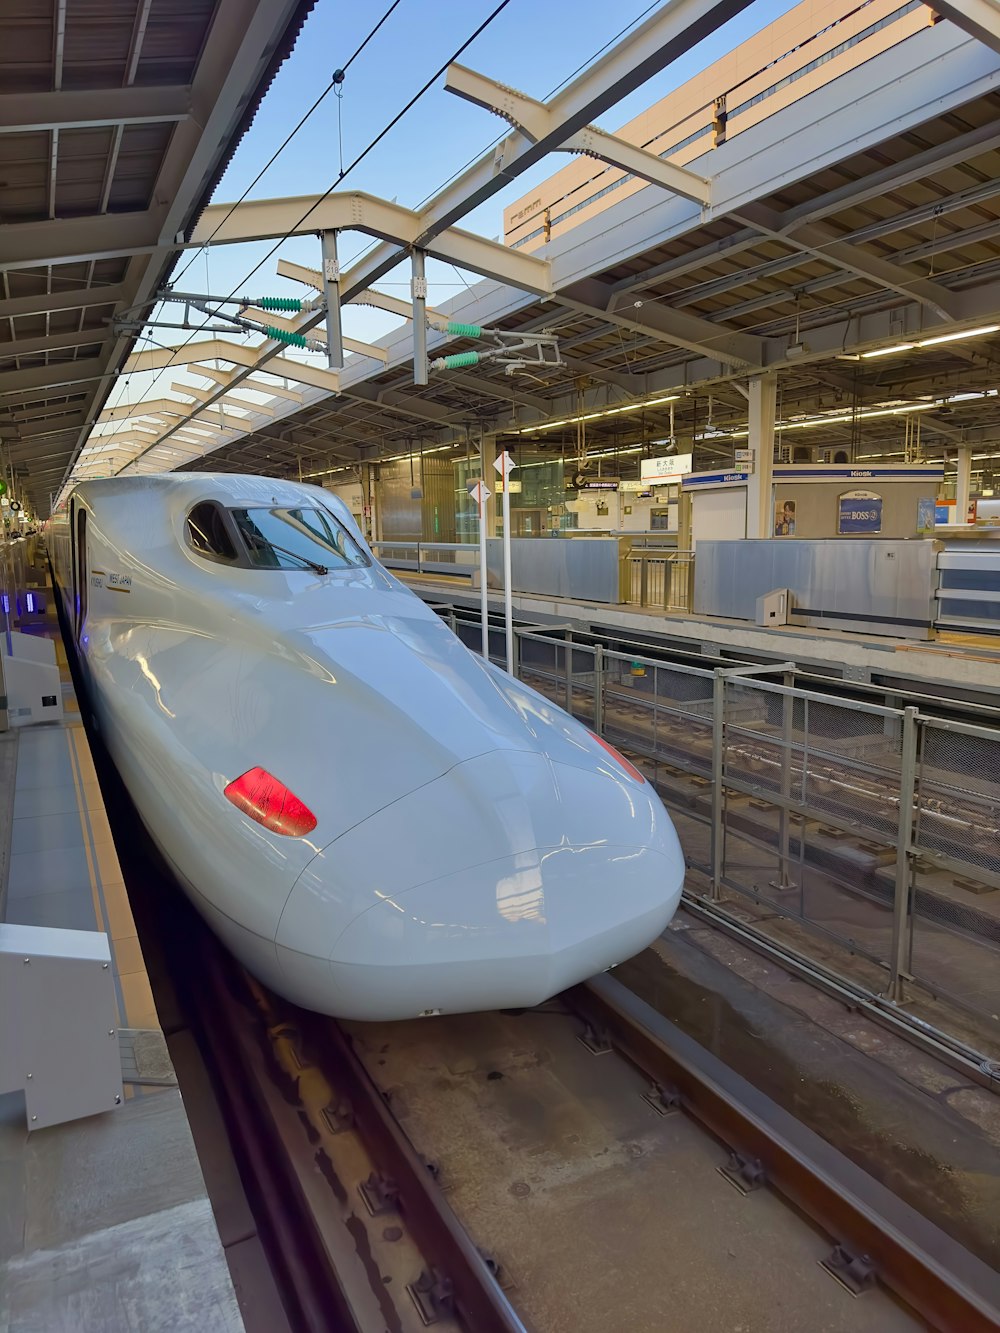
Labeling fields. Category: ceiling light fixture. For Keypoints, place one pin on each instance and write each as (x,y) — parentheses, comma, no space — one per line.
(594,416)
(936,341)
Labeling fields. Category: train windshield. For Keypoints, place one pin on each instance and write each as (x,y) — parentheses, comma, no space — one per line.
(296,539)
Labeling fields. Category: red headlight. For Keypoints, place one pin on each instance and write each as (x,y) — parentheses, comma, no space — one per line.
(619,759)
(261,796)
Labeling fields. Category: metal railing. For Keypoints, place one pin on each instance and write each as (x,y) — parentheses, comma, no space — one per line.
(455,558)
(662,579)
(835,827)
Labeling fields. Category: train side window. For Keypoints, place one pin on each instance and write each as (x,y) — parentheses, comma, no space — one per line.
(208,532)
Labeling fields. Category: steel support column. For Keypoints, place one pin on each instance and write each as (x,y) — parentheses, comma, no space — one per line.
(963,485)
(762,402)
(331,290)
(418,292)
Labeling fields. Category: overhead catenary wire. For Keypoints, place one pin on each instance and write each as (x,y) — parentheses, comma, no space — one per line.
(373,143)
(335,81)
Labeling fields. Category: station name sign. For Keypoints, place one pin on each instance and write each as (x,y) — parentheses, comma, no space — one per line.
(670,466)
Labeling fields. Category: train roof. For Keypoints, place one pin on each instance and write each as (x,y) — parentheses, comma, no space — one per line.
(184,487)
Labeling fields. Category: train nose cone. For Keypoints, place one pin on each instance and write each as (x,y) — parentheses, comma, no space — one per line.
(495,886)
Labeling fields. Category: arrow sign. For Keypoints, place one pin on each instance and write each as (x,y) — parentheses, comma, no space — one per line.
(505,465)
(479,491)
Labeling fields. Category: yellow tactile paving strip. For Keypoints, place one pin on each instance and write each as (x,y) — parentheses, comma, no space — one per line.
(111,905)
(112,911)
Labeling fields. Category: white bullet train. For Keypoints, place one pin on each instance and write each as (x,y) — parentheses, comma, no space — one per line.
(377,823)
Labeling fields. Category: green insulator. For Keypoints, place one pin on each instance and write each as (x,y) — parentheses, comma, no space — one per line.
(284,336)
(465,330)
(291,303)
(460,359)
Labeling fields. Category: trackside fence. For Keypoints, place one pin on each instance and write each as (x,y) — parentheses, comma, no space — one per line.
(848,830)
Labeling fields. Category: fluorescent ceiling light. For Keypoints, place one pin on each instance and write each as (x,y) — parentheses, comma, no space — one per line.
(888,351)
(594,416)
(936,341)
(954,337)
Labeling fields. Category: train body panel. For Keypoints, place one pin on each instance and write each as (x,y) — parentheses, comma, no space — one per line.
(471,845)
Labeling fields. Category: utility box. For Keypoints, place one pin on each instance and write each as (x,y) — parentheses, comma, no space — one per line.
(58,1023)
(774,607)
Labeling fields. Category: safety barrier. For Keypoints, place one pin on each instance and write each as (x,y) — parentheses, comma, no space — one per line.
(659,578)
(861,837)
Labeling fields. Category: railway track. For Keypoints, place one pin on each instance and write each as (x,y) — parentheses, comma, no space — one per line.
(357,1225)
(359,1232)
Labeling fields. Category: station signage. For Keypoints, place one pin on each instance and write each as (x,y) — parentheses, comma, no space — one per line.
(667,468)
(601,484)
(859,511)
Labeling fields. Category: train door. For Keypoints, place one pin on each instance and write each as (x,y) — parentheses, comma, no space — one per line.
(82,576)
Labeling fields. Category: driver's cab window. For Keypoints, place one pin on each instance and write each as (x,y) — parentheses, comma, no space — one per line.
(208,532)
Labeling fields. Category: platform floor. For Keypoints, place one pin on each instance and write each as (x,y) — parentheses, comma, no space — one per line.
(967,660)
(105,1223)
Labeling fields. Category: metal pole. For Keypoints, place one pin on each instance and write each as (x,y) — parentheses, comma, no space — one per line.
(599,688)
(569,670)
(784,817)
(331,290)
(418,293)
(901,921)
(484,615)
(508,606)
(718,768)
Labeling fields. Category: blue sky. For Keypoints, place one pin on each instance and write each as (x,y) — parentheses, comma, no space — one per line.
(530,46)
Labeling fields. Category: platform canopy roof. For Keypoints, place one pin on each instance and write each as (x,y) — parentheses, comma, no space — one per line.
(847,242)
(116,122)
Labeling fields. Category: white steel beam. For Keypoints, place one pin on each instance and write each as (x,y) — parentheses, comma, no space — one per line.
(659,321)
(230,400)
(979,18)
(311,277)
(158,358)
(349,344)
(665,36)
(77,109)
(537,122)
(266,219)
(124,411)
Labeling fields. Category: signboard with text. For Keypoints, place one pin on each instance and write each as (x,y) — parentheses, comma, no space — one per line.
(859,511)
(666,468)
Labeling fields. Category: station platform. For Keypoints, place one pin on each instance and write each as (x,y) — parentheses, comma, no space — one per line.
(968,662)
(106,1224)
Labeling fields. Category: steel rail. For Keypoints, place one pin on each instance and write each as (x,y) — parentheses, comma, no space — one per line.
(951,1289)
(313,1296)
(473,1293)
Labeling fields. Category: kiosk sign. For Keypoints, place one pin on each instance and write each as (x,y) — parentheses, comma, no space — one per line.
(859,511)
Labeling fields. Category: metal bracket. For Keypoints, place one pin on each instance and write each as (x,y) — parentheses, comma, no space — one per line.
(744,1173)
(855,1272)
(597,1040)
(340,1117)
(434,1296)
(380,1194)
(665,1099)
